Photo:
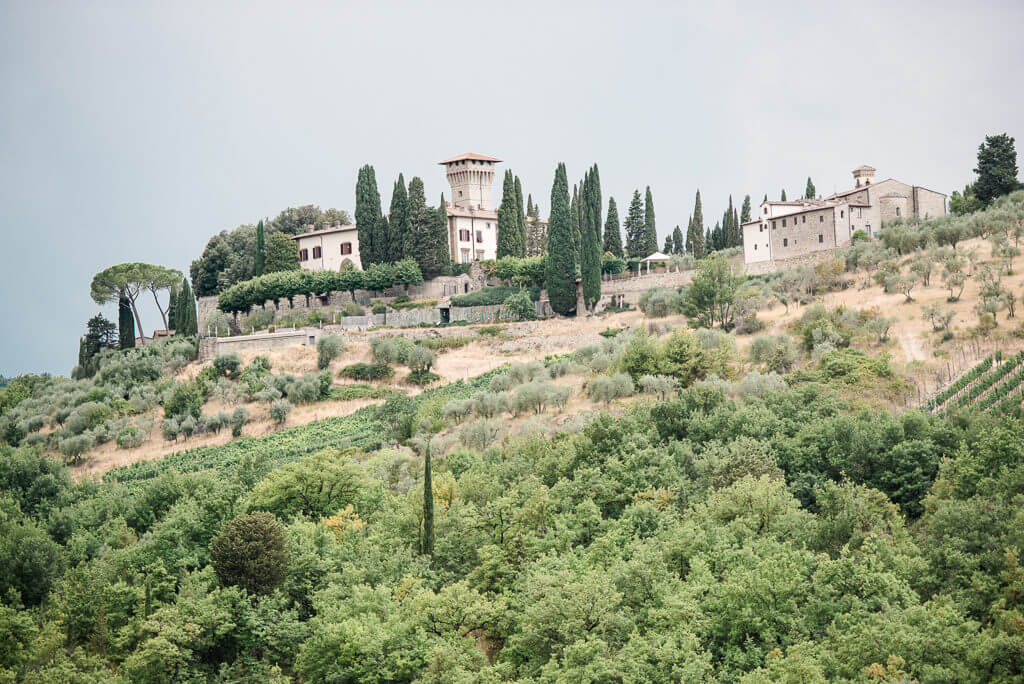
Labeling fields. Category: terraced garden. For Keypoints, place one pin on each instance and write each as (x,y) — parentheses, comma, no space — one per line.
(994,384)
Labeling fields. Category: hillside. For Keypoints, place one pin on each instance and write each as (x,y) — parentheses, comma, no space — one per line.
(611,498)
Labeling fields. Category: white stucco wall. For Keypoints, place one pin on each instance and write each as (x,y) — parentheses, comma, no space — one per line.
(330,242)
(756,243)
(486,228)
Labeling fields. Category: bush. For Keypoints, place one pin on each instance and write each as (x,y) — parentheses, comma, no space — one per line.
(227,365)
(776,352)
(420,359)
(169,428)
(74,447)
(130,438)
(238,421)
(367,372)
(518,305)
(379,308)
(328,348)
(755,384)
(251,552)
(352,309)
(639,356)
(660,302)
(481,433)
(279,411)
(536,396)
(188,426)
(458,409)
(490,404)
(608,388)
(186,399)
(306,390)
(490,296)
(422,377)
(662,386)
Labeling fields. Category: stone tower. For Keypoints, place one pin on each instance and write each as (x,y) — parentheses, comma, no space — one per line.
(863,175)
(471,177)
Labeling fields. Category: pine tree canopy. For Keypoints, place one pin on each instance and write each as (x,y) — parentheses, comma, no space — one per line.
(997,168)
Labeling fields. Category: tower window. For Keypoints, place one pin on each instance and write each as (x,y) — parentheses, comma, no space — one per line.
(821,218)
(897,211)
(821,238)
(785,242)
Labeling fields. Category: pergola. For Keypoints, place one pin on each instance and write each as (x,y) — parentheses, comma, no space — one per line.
(656,258)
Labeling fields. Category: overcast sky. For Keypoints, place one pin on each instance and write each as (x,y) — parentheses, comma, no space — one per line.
(133,131)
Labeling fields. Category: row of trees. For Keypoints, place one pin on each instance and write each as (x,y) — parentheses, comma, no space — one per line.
(412,230)
(272,287)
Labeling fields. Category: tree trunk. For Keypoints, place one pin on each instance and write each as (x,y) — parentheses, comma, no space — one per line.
(135,312)
(163,314)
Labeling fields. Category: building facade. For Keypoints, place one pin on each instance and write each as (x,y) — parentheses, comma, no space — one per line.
(795,229)
(472,220)
(330,249)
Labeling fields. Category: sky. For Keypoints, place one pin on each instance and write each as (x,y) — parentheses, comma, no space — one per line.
(134,131)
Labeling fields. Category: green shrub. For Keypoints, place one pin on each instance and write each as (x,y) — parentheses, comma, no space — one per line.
(755,384)
(317,486)
(420,359)
(379,308)
(519,306)
(352,309)
(279,411)
(481,433)
(422,377)
(188,426)
(74,447)
(130,438)
(328,348)
(367,372)
(660,302)
(186,399)
(227,365)
(662,386)
(776,352)
(607,388)
(458,409)
(251,552)
(358,391)
(238,421)
(490,296)
(169,428)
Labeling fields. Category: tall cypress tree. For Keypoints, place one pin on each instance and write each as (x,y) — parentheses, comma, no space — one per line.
(732,231)
(428,501)
(428,232)
(560,271)
(782,198)
(398,221)
(595,200)
(698,238)
(745,212)
(590,247)
(529,205)
(508,222)
(612,233)
(809,191)
(574,222)
(688,246)
(765,198)
(261,249)
(368,216)
(667,249)
(186,322)
(677,241)
(520,218)
(125,324)
(737,230)
(636,230)
(650,231)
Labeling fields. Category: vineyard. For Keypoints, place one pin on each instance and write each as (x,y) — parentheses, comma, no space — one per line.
(993,384)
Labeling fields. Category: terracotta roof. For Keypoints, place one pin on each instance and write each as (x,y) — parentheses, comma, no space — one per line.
(471,156)
(325,231)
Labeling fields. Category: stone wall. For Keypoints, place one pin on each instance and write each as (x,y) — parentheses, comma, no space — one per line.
(476,314)
(765,267)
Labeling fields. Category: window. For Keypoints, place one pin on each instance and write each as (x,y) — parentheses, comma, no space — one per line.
(479,255)
(303,255)
(821,218)
(821,238)
(464,235)
(760,229)
(480,235)
(867,227)
(465,256)
(785,242)
(803,219)
(897,211)
(766,211)
(317,253)
(783,223)
(773,225)
(842,213)
(346,247)
(755,247)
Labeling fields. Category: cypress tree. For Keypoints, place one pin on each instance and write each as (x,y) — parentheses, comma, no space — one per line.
(810,192)
(368,216)
(261,249)
(590,248)
(783,197)
(172,308)
(612,233)
(997,168)
(635,228)
(708,245)
(508,222)
(442,253)
(560,271)
(650,231)
(765,198)
(689,235)
(574,222)
(667,249)
(677,241)
(125,324)
(185,312)
(717,237)
(699,241)
(745,212)
(529,205)
(398,222)
(732,227)
(520,218)
(737,229)
(428,501)
(427,232)
(595,200)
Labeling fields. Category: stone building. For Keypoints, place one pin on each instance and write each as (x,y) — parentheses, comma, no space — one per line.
(330,249)
(808,228)
(472,220)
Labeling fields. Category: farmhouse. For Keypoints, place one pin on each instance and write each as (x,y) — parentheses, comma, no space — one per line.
(786,231)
